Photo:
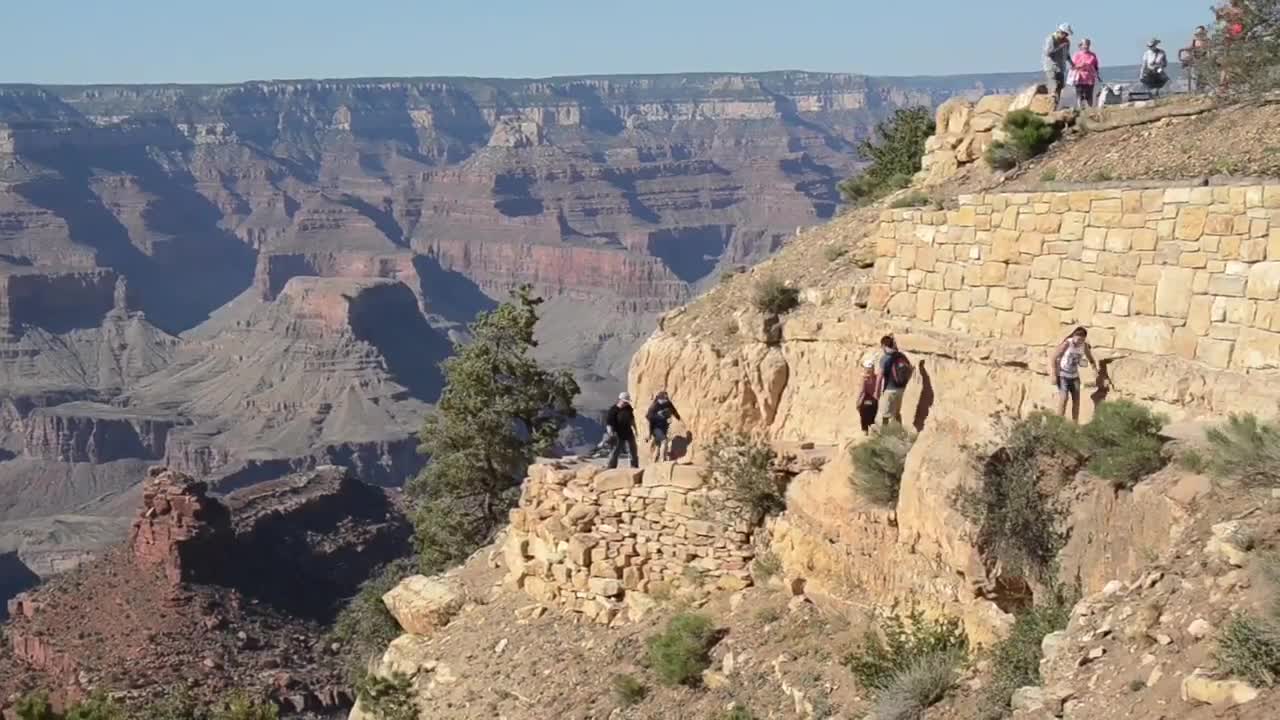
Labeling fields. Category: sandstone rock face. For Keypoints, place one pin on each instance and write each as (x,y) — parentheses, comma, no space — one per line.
(181,529)
(965,129)
(598,543)
(422,604)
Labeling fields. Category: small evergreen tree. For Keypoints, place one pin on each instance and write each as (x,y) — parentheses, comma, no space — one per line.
(895,151)
(498,411)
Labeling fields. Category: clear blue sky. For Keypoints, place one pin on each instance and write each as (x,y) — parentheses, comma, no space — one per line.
(77,41)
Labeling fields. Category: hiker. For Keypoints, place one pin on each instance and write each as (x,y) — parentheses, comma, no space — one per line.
(867,403)
(1194,55)
(895,373)
(1057,56)
(1085,74)
(659,417)
(1064,368)
(1154,64)
(622,421)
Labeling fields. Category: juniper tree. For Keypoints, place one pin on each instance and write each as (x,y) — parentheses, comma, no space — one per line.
(498,411)
(1244,51)
(895,151)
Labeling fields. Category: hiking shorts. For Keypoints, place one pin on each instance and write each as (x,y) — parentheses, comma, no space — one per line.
(659,435)
(891,404)
(1069,385)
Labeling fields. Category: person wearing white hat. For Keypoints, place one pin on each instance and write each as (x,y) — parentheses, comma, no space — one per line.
(1057,58)
(622,421)
(1155,63)
(868,404)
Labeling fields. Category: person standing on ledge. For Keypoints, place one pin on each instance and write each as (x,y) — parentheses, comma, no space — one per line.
(1086,74)
(659,417)
(868,407)
(895,373)
(1064,368)
(1057,57)
(622,420)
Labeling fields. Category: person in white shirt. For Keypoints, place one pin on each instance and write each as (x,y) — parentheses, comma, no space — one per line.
(1155,62)
(1064,368)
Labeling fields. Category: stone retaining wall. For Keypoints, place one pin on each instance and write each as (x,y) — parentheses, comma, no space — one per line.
(1192,272)
(599,541)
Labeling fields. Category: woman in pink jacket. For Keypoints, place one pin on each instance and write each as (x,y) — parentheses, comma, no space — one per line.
(1087,74)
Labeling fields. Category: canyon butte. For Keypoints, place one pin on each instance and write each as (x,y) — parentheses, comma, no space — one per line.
(246,281)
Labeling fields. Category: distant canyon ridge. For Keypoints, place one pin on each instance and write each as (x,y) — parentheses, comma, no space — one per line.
(243,281)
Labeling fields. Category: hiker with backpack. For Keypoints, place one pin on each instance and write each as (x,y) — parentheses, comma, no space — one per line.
(868,405)
(1064,368)
(895,373)
(659,416)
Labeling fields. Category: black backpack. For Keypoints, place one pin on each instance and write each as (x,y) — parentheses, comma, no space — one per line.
(900,369)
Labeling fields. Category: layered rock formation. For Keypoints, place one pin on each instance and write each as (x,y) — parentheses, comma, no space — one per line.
(211,594)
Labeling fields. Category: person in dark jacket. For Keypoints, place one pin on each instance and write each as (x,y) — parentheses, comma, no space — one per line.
(659,417)
(622,421)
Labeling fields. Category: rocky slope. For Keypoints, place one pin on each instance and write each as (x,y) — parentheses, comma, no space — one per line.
(211,595)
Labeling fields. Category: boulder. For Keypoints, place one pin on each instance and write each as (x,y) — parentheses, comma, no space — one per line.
(422,604)
(1201,687)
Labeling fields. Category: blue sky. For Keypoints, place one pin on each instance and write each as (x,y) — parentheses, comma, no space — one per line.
(76,41)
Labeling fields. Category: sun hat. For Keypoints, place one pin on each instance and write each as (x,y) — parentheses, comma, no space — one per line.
(1065,28)
(624,396)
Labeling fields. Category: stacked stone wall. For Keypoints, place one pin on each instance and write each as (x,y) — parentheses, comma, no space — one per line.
(601,542)
(1192,272)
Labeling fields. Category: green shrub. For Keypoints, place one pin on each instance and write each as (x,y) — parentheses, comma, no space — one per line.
(895,152)
(1124,442)
(919,686)
(178,705)
(680,653)
(878,464)
(1001,156)
(96,707)
(768,614)
(1192,460)
(240,706)
(1249,647)
(765,567)
(628,690)
(1015,660)
(1247,450)
(1014,506)
(737,712)
(365,627)
(387,698)
(773,297)
(832,253)
(1048,175)
(35,707)
(1102,175)
(905,643)
(743,467)
(1028,135)
(915,198)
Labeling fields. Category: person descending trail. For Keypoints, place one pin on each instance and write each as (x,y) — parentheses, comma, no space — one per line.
(659,416)
(1057,57)
(867,403)
(622,421)
(1064,368)
(1085,74)
(895,373)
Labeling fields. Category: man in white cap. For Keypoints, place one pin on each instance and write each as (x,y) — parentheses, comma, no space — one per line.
(1057,58)
(622,421)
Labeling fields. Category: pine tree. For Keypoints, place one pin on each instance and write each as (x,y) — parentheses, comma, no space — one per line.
(895,152)
(498,411)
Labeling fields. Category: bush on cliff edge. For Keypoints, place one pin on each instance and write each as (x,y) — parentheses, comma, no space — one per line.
(1028,135)
(878,464)
(498,411)
(743,466)
(774,297)
(895,152)
(1246,450)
